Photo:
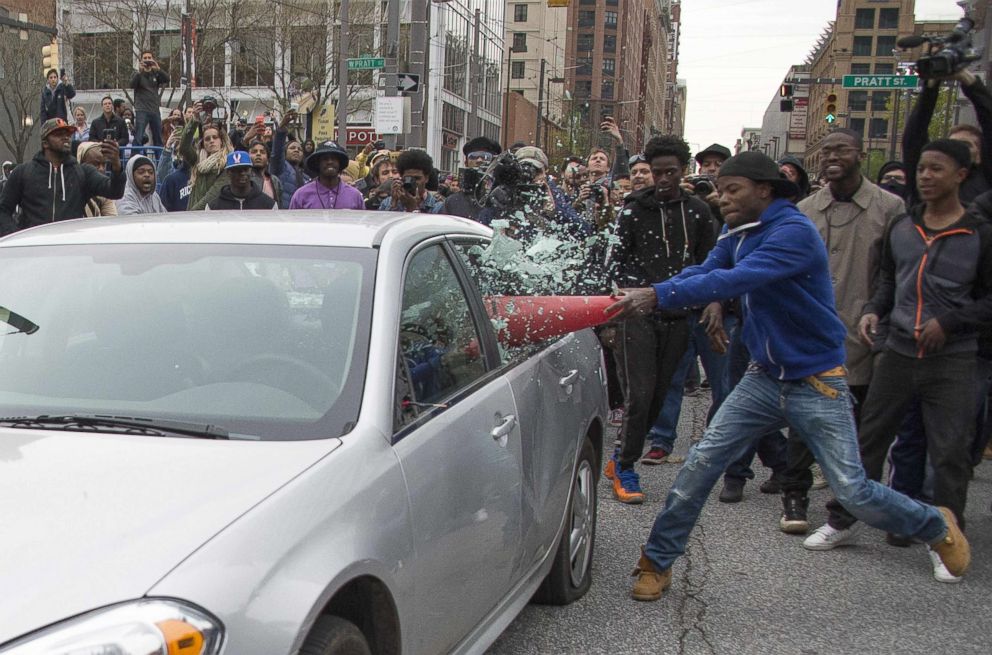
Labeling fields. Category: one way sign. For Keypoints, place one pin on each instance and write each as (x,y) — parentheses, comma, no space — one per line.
(408,82)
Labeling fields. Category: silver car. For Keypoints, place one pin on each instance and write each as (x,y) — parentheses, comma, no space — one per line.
(295,433)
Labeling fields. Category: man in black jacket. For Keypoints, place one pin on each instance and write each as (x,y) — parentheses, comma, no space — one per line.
(979,178)
(54,186)
(145,82)
(478,153)
(242,192)
(54,96)
(109,120)
(660,231)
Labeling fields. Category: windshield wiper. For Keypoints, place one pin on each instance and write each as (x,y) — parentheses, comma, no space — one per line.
(20,324)
(130,424)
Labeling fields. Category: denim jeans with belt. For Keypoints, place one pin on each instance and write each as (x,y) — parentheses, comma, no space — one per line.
(761,403)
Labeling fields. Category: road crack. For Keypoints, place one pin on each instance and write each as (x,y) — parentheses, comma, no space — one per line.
(692,609)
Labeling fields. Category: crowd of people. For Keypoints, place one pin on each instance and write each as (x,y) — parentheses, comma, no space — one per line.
(841,322)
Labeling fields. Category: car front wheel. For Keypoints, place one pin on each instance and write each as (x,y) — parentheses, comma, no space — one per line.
(332,635)
(571,572)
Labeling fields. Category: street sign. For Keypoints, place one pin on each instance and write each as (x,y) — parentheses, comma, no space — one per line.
(830,118)
(880,81)
(389,115)
(407,82)
(366,63)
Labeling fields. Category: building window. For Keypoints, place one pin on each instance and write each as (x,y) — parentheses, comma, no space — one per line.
(880,101)
(864,19)
(606,91)
(610,19)
(583,88)
(885,69)
(587,18)
(517,70)
(609,67)
(879,128)
(856,125)
(884,45)
(862,46)
(609,43)
(584,43)
(888,19)
(520,42)
(520,13)
(860,69)
(583,65)
(857,100)
(587,2)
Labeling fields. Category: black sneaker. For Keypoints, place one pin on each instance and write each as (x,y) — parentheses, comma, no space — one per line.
(733,490)
(898,540)
(793,519)
(772,485)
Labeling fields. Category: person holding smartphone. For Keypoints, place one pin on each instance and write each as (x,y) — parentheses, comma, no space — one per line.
(108,124)
(146,82)
(56,95)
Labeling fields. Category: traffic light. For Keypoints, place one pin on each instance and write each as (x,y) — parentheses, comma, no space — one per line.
(785,90)
(831,108)
(50,57)
(785,105)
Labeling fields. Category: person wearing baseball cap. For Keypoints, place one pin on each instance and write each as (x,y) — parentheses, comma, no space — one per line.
(773,256)
(53,186)
(479,152)
(327,190)
(242,190)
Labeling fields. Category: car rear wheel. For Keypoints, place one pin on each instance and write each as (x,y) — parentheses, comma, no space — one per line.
(332,635)
(571,572)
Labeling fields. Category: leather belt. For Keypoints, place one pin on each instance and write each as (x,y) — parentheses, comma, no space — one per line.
(823,388)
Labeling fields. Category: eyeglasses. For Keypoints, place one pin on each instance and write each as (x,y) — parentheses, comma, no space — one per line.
(481,155)
(637,159)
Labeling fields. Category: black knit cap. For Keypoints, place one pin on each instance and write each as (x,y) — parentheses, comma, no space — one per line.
(715,149)
(953,148)
(758,167)
(891,166)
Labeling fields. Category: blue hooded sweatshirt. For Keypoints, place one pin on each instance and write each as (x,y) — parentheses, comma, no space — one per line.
(778,266)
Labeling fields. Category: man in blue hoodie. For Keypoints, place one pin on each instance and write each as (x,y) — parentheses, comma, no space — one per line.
(771,256)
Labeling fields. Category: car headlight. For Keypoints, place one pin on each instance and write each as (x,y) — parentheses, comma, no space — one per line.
(144,627)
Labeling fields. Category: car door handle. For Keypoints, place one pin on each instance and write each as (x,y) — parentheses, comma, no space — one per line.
(569,379)
(504,427)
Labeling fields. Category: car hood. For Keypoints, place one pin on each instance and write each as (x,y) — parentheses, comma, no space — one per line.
(87,520)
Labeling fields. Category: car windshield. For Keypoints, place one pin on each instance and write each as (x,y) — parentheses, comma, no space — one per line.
(268,342)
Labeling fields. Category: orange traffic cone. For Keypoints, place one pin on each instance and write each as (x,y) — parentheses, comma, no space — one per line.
(530,319)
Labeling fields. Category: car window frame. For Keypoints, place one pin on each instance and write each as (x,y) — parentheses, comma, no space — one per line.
(487,344)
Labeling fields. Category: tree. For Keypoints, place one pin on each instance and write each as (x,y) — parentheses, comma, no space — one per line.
(21,81)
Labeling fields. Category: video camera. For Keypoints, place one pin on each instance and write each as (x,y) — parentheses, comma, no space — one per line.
(512,182)
(946,55)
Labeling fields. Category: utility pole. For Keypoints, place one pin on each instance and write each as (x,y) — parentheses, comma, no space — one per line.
(475,122)
(540,104)
(342,109)
(418,63)
(186,33)
(392,58)
(897,99)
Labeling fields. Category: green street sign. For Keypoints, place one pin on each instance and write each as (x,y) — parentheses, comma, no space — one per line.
(880,81)
(830,118)
(366,63)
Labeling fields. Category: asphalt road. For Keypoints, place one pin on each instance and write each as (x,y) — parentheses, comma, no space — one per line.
(745,587)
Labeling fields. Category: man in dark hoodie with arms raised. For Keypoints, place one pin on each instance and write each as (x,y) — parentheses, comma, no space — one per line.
(54,186)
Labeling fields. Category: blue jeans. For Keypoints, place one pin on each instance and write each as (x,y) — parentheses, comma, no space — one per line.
(662,433)
(757,405)
(147,118)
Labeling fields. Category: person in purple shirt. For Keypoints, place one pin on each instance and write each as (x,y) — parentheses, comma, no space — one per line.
(327,190)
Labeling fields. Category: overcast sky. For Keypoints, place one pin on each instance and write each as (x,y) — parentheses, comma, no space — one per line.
(734,54)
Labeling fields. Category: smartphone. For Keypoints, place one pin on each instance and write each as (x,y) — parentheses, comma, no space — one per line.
(259,119)
(61,73)
(109,135)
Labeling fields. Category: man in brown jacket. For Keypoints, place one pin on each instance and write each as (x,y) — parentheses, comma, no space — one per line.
(851,214)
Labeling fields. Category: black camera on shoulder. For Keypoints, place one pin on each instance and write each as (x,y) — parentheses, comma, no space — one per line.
(947,54)
(410,185)
(511,183)
(702,185)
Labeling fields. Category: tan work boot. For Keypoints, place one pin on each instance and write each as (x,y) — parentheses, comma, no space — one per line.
(987,453)
(953,549)
(650,583)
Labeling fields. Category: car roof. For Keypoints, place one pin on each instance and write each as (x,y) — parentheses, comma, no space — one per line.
(348,228)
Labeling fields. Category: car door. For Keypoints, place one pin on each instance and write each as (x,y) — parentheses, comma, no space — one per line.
(457,438)
(545,380)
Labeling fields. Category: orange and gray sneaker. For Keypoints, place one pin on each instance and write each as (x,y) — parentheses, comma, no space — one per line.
(953,549)
(610,470)
(627,486)
(651,583)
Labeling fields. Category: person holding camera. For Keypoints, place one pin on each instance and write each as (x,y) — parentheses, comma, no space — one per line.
(40,186)
(410,190)
(207,162)
(108,125)
(55,96)
(146,82)
(479,152)
(327,190)
(287,159)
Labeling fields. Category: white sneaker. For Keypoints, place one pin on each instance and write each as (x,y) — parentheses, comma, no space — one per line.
(828,538)
(819,481)
(940,572)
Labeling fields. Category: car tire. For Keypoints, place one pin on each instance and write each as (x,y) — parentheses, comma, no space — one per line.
(570,577)
(332,635)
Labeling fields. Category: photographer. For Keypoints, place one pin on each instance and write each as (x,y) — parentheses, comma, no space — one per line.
(146,82)
(703,184)
(205,147)
(109,125)
(479,152)
(410,191)
(55,95)
(287,160)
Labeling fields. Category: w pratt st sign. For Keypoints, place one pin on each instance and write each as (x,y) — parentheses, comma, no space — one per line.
(880,81)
